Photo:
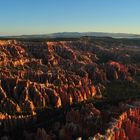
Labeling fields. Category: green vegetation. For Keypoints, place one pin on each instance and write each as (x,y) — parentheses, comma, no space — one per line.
(122,90)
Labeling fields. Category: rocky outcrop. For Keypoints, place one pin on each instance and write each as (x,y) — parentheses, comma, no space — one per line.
(13,122)
(87,121)
(37,75)
(9,106)
(126,127)
(116,71)
(78,122)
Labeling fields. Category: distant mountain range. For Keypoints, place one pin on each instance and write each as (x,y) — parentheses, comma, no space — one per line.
(76,35)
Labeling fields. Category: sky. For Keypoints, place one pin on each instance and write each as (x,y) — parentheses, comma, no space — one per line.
(18,17)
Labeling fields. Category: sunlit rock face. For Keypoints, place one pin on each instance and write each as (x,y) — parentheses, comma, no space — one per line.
(43,74)
(125,127)
(54,74)
(37,76)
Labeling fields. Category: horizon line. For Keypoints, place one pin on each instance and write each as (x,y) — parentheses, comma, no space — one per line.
(68,32)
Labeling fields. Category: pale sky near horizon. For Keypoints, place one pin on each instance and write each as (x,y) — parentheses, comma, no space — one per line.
(19,17)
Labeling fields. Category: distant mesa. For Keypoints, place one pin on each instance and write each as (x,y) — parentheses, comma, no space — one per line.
(76,35)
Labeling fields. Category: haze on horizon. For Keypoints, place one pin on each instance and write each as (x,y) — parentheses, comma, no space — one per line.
(19,17)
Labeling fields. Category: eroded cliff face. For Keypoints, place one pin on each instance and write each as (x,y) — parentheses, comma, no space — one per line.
(125,127)
(38,75)
(35,76)
(118,123)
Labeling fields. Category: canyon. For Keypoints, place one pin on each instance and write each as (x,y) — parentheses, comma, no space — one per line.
(65,89)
